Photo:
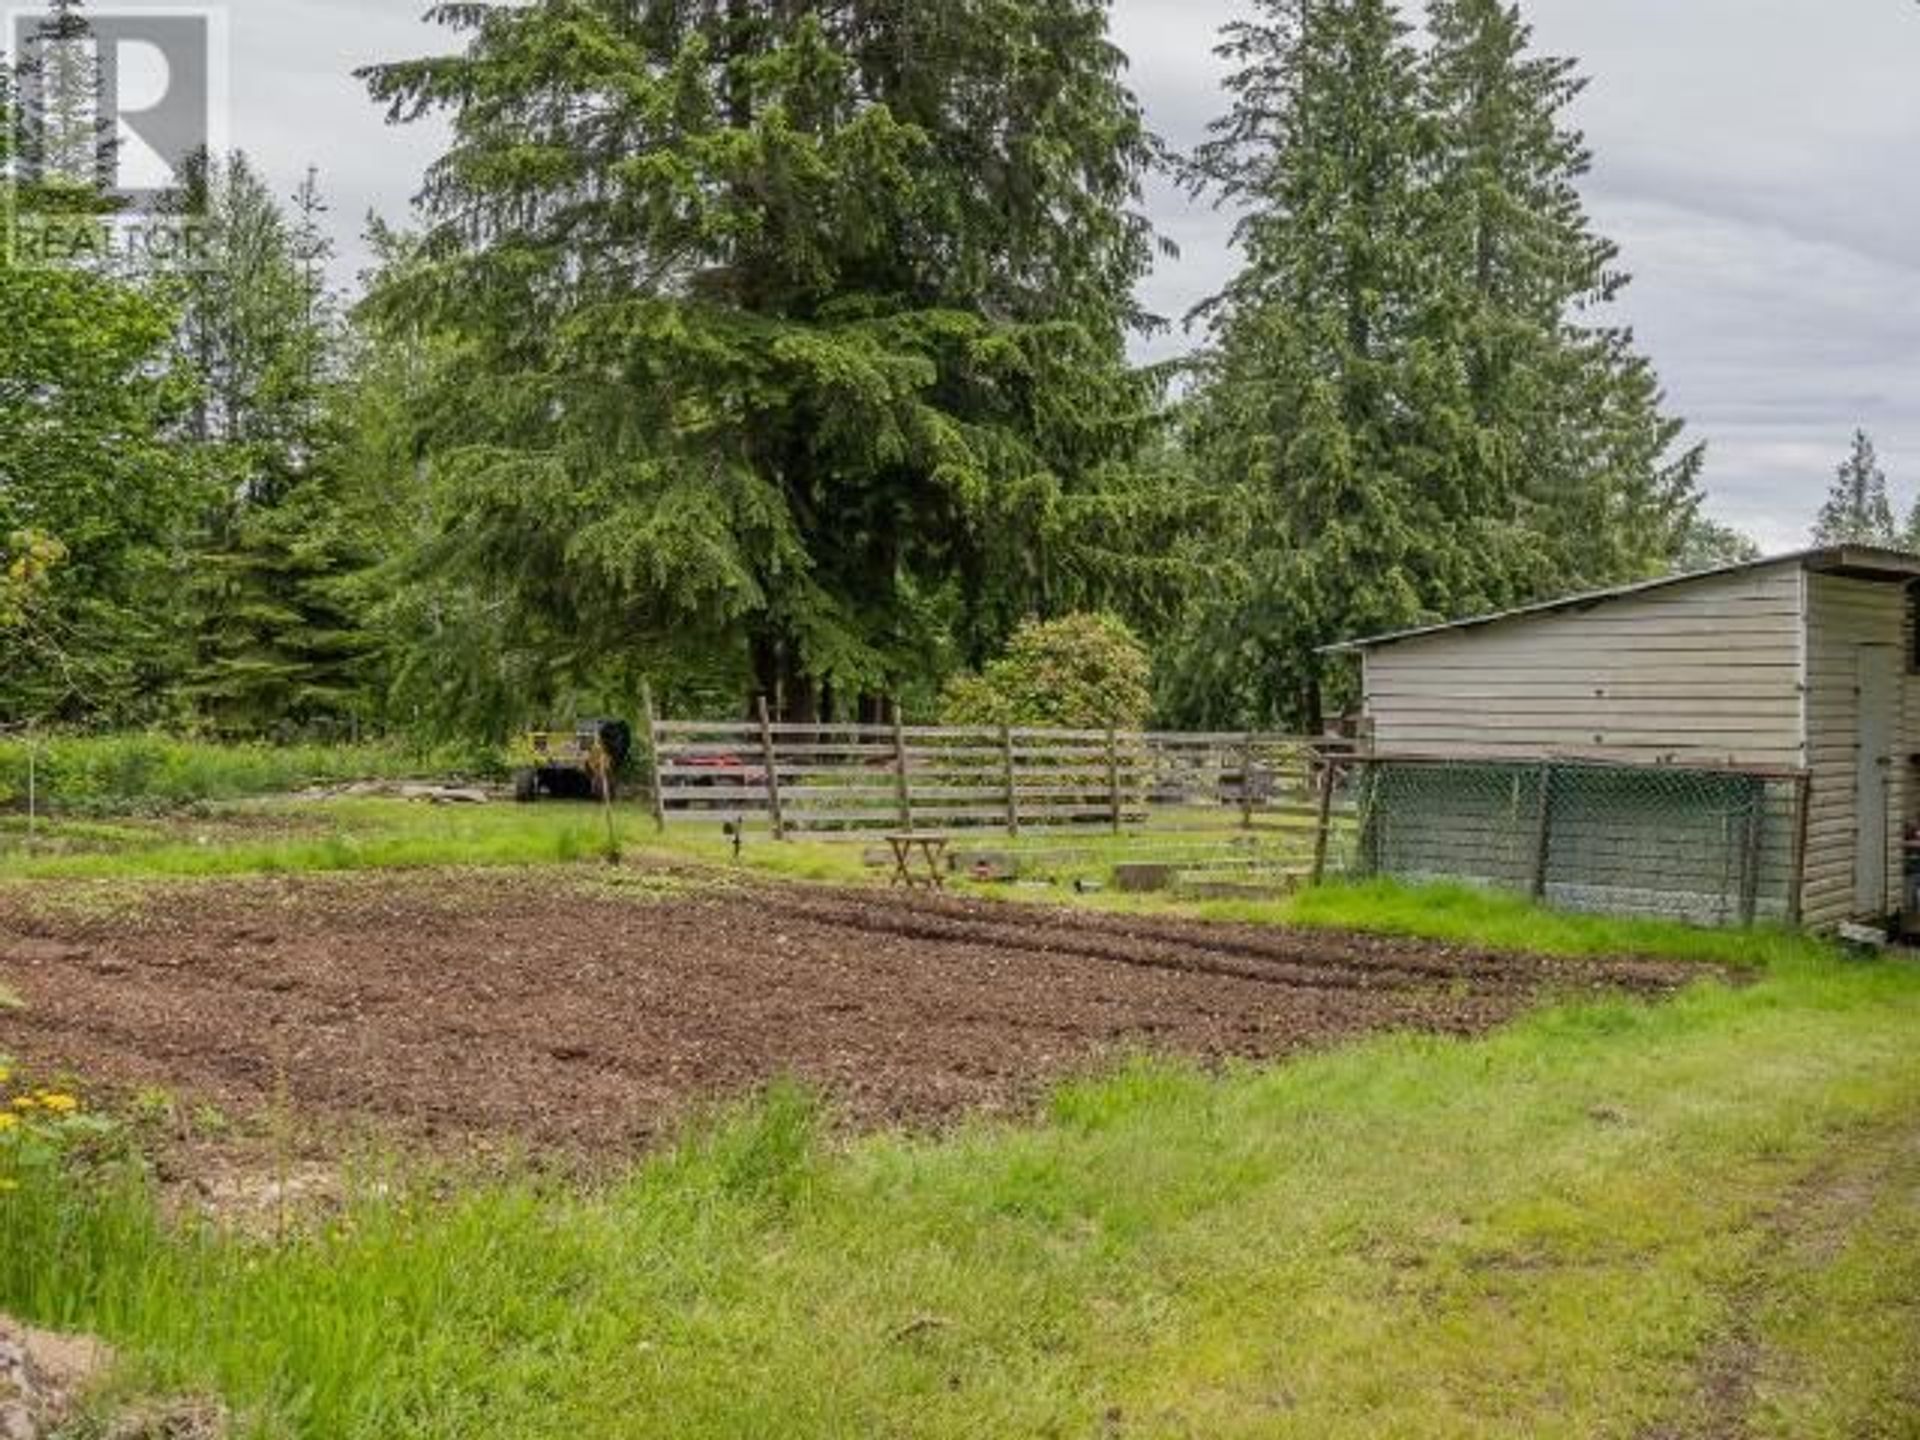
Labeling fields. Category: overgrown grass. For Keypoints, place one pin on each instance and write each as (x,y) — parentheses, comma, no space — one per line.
(1545,1233)
(109,773)
(374,833)
(354,834)
(563,845)
(1496,920)
(1833,1350)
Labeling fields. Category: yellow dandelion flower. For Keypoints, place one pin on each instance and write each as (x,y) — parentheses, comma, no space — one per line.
(56,1102)
(25,1102)
(8,1121)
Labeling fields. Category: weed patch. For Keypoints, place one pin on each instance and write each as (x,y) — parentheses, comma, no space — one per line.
(122,773)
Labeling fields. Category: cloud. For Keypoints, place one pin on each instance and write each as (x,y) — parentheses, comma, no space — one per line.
(296,103)
(1757,160)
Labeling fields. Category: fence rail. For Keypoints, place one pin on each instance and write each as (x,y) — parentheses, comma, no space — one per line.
(828,779)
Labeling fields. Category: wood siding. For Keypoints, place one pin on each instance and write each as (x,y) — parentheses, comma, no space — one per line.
(1842,616)
(1706,673)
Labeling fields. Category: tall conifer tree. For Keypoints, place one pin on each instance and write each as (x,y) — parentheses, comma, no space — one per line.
(1320,393)
(792,330)
(1408,380)
(67,137)
(1568,418)
(277,643)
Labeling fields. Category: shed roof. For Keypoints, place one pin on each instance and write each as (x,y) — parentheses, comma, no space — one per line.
(1863,562)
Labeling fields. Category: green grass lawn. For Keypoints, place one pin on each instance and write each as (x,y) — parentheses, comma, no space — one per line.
(1693,1219)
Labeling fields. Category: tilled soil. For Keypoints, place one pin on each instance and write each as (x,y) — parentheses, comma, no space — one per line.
(526,1008)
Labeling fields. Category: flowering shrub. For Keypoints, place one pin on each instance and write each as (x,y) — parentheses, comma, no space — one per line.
(38,1126)
(27,560)
(1081,672)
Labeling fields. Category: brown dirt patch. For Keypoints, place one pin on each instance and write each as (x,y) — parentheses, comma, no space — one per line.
(42,1375)
(528,1007)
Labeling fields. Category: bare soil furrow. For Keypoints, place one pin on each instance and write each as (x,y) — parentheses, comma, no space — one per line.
(523,1010)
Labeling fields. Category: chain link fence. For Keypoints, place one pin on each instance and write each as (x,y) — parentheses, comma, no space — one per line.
(1711,847)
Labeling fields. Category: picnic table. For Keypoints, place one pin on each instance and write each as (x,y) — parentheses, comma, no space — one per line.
(929,850)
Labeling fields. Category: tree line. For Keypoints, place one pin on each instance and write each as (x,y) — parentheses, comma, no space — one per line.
(747,348)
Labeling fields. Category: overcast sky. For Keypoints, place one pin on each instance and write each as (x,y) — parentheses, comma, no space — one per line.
(1758,160)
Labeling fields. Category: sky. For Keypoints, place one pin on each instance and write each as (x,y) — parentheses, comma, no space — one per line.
(1758,161)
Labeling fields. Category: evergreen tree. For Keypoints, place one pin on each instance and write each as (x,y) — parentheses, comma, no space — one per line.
(280,640)
(795,332)
(1405,375)
(1568,421)
(258,324)
(278,644)
(453,661)
(66,135)
(1320,391)
(1710,545)
(1857,511)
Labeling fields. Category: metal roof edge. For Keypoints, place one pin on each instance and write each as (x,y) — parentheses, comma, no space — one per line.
(1866,561)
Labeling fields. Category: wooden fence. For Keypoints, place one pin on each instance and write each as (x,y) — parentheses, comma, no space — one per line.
(815,779)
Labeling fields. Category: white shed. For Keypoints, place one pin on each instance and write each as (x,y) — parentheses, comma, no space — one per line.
(1803,665)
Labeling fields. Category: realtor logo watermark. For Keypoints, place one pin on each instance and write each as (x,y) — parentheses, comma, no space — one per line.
(114,102)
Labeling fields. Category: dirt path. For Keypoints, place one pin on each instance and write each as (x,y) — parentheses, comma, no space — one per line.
(1801,1236)
(527,1006)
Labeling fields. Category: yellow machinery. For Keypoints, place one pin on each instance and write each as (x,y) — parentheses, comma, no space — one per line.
(583,763)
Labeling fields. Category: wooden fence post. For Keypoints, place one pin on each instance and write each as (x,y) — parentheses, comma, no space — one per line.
(1013,781)
(903,786)
(1751,850)
(1543,836)
(654,760)
(1325,820)
(1368,845)
(770,757)
(1246,782)
(1113,779)
(33,791)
